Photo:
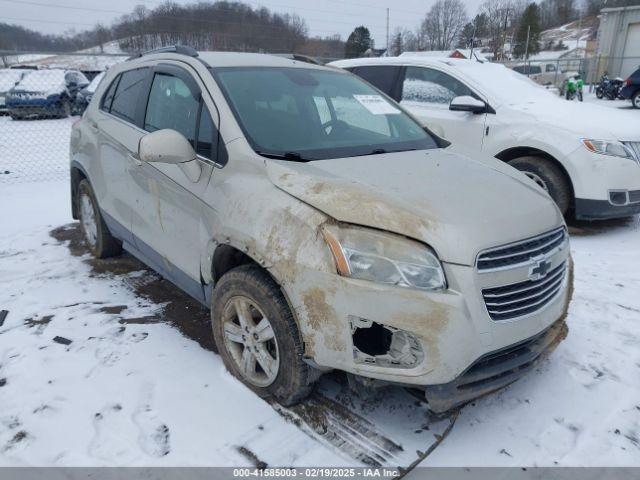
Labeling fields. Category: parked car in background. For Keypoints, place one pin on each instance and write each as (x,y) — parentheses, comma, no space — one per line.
(631,89)
(86,94)
(8,79)
(546,74)
(587,157)
(323,226)
(46,93)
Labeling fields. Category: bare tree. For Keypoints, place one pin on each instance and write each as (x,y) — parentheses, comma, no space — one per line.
(500,14)
(403,40)
(443,23)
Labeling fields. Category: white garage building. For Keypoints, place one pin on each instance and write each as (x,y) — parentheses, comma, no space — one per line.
(619,40)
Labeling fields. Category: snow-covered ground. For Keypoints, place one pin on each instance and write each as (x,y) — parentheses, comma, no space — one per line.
(104,363)
(590,97)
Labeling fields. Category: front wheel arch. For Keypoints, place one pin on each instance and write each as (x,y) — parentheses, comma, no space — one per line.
(514,153)
(227,257)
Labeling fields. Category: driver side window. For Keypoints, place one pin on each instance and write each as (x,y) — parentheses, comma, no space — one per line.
(426,85)
(171,105)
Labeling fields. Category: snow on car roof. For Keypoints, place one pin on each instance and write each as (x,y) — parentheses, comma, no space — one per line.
(95,82)
(493,79)
(42,80)
(9,77)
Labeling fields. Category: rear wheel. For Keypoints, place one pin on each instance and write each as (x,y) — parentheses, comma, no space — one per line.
(257,336)
(549,177)
(635,99)
(96,234)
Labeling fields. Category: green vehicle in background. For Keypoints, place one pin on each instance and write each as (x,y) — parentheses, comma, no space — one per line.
(574,87)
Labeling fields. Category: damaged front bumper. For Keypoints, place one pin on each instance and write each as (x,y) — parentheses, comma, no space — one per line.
(495,370)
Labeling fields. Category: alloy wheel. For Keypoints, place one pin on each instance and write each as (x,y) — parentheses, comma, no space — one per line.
(536,178)
(250,340)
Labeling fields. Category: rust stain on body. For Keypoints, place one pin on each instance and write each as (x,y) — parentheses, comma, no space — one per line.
(323,319)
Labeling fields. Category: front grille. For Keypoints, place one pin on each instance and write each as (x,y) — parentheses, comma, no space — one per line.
(634,196)
(521,252)
(523,298)
(635,148)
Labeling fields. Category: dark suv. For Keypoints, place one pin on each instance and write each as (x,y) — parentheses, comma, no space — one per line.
(631,89)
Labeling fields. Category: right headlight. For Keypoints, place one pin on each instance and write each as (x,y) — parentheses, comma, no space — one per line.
(382,257)
(606,147)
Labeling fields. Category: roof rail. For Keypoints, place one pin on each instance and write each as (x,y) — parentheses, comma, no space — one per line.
(179,49)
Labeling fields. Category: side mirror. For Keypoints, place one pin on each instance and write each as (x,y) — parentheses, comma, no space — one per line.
(466,103)
(169,146)
(165,146)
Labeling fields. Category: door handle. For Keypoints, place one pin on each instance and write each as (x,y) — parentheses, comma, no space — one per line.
(134,158)
(93,126)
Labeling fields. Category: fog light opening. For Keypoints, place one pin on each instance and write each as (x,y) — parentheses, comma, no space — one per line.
(619,198)
(384,346)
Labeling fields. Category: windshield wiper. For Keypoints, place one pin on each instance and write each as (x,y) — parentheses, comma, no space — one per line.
(379,151)
(291,156)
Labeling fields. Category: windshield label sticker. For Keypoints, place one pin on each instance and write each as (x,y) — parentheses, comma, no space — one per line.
(376,104)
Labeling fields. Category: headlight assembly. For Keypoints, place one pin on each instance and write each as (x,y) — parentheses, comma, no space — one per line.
(605,147)
(381,257)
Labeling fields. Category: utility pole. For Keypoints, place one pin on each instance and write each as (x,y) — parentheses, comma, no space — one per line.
(386,54)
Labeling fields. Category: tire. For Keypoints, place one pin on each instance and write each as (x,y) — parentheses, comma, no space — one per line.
(15,116)
(65,108)
(549,176)
(599,93)
(96,234)
(251,290)
(635,99)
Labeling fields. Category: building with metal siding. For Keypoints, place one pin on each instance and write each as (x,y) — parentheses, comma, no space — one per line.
(619,40)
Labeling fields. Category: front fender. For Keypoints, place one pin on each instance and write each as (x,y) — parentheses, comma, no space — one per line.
(270,226)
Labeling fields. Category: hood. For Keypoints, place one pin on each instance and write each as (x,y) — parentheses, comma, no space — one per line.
(584,119)
(456,205)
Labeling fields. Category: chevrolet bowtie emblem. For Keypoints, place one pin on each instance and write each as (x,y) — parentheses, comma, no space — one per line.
(539,270)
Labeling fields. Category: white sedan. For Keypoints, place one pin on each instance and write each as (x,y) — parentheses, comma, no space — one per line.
(585,156)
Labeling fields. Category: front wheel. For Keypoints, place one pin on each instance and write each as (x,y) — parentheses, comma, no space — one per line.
(635,99)
(599,93)
(548,176)
(257,336)
(65,108)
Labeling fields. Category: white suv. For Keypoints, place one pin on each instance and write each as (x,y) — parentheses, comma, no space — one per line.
(323,226)
(586,156)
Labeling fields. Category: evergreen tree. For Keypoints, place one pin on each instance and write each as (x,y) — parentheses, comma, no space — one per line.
(529,22)
(358,42)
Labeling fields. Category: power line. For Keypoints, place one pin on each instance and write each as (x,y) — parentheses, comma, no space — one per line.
(100,10)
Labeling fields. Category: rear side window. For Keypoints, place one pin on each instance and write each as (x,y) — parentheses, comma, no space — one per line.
(426,85)
(383,77)
(107,99)
(130,89)
(171,105)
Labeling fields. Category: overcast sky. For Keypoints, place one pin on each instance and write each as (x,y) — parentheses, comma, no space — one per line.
(323,17)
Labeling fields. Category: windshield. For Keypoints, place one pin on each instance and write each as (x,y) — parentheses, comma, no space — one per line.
(308,114)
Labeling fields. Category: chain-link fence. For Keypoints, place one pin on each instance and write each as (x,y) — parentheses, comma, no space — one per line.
(555,71)
(41,95)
